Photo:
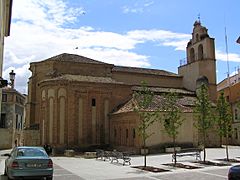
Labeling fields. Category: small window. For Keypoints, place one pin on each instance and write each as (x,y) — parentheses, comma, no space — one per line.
(16,125)
(236,133)
(17,99)
(21,122)
(126,133)
(3,121)
(197,37)
(200,52)
(230,131)
(134,134)
(227,98)
(236,114)
(93,102)
(115,133)
(4,97)
(192,55)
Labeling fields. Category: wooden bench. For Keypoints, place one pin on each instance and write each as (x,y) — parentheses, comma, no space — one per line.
(89,155)
(69,153)
(120,155)
(99,153)
(188,152)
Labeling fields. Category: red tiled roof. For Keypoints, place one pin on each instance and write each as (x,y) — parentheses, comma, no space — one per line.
(185,103)
(143,71)
(74,58)
(80,78)
(165,90)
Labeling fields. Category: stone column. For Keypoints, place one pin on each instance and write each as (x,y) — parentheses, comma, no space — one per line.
(80,120)
(106,121)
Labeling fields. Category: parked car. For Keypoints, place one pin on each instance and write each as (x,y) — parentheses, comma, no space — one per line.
(234,173)
(28,162)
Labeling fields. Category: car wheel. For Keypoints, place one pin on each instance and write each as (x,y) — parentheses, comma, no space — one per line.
(9,178)
(49,178)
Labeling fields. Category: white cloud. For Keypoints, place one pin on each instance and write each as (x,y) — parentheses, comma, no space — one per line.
(230,57)
(155,34)
(233,73)
(114,56)
(162,37)
(148,3)
(22,74)
(47,13)
(38,32)
(137,7)
(178,45)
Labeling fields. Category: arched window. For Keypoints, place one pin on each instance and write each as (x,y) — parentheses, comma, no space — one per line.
(134,133)
(197,37)
(120,136)
(200,51)
(192,55)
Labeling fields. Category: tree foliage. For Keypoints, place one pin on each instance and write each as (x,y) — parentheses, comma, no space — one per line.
(171,118)
(143,100)
(224,119)
(203,112)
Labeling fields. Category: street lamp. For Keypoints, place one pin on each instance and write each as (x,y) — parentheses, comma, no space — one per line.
(12,78)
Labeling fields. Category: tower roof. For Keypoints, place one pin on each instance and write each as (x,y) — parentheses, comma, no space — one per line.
(197,23)
(73,58)
(144,71)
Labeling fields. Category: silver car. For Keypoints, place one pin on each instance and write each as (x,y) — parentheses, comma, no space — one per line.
(28,162)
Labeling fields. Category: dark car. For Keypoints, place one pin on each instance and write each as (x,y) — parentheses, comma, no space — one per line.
(28,162)
(234,173)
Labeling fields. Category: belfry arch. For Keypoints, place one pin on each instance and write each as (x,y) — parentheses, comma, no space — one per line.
(200,52)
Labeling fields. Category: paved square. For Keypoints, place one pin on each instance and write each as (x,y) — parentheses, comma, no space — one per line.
(78,168)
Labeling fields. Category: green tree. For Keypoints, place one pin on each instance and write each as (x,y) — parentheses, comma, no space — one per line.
(203,112)
(143,100)
(171,119)
(224,119)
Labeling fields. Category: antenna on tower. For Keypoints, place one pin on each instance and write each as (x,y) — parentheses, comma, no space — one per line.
(199,17)
(226,44)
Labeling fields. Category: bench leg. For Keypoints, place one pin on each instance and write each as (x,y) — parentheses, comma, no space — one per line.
(129,163)
(173,157)
(114,159)
(198,157)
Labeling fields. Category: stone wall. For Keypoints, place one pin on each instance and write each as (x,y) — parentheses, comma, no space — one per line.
(6,142)
(122,127)
(31,137)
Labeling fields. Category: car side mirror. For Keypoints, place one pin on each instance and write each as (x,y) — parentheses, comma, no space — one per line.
(7,154)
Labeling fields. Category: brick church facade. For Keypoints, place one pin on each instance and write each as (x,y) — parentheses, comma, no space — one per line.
(77,101)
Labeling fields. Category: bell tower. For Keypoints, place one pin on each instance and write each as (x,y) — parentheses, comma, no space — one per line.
(200,60)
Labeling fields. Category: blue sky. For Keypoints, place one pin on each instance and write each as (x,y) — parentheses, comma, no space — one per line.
(140,33)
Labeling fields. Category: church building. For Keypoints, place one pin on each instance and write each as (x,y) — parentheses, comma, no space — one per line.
(76,101)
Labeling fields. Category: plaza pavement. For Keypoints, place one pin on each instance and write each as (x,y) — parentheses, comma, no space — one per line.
(99,169)
(78,168)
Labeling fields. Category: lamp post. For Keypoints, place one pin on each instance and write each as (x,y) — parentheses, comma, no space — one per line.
(12,78)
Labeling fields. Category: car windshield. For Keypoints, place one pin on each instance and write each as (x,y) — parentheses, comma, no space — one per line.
(31,152)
